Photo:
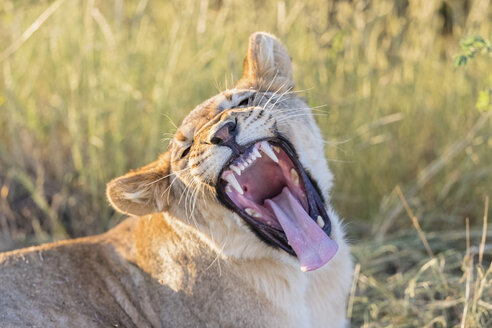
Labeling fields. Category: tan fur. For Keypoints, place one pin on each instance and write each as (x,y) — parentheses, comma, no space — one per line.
(192,263)
(267,64)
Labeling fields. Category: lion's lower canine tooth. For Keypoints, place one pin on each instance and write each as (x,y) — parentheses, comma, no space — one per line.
(294,176)
(256,152)
(267,149)
(320,221)
(253,213)
(235,169)
(228,189)
(233,182)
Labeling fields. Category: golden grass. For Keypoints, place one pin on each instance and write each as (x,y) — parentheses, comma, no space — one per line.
(399,284)
(90,89)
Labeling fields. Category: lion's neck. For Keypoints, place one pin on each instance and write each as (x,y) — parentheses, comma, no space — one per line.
(187,261)
(182,265)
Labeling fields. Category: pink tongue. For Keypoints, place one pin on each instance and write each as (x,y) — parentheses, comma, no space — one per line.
(311,244)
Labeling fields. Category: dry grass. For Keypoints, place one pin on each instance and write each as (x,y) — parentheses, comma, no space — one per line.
(90,89)
(414,279)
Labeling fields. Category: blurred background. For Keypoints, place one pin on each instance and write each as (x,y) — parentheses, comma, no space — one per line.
(91,89)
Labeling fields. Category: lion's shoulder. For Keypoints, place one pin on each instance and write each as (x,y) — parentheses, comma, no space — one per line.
(145,271)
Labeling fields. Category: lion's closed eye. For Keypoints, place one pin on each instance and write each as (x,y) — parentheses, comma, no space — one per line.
(245,102)
(185,152)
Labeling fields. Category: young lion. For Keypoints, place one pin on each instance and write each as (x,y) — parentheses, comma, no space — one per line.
(231,227)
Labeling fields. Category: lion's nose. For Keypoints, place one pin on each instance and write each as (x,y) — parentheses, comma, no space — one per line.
(224,134)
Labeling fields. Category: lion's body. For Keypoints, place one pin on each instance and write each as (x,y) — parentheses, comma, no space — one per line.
(195,263)
(147,273)
(118,279)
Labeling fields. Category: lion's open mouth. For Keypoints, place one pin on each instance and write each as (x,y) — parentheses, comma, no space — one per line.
(268,187)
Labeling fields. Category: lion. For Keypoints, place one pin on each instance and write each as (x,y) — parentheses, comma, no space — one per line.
(231,227)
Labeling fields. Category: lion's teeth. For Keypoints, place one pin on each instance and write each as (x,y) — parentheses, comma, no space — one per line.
(228,189)
(233,182)
(320,221)
(267,149)
(276,148)
(256,152)
(235,169)
(241,166)
(253,213)
(294,176)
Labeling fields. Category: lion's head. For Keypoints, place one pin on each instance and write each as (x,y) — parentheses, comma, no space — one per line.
(247,168)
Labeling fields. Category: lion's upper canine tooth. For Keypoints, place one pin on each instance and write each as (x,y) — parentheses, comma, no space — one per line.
(267,149)
(256,152)
(233,182)
(320,221)
(253,213)
(235,169)
(276,148)
(294,176)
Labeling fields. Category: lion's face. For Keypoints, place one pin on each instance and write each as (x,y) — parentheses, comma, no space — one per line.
(254,153)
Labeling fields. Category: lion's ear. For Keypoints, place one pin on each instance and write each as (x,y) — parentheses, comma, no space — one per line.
(267,66)
(141,191)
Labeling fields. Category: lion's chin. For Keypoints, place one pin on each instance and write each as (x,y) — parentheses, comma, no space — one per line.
(268,187)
